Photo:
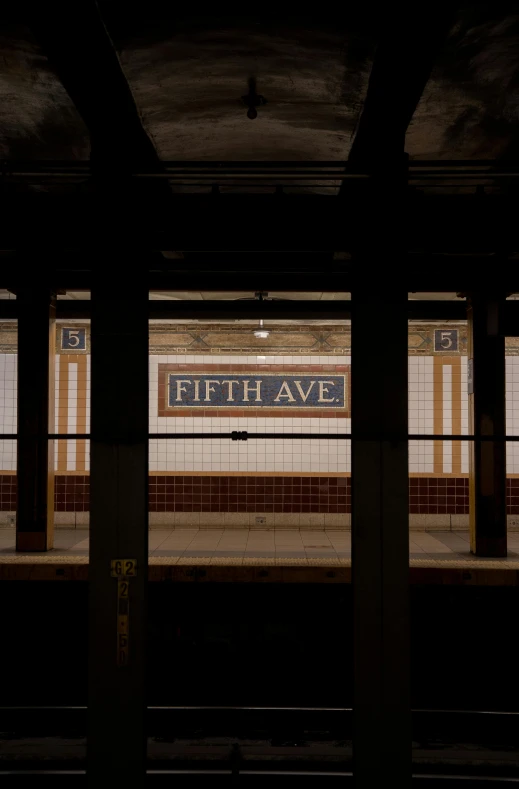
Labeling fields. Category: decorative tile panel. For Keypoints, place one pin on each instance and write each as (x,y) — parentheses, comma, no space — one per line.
(73,339)
(250,390)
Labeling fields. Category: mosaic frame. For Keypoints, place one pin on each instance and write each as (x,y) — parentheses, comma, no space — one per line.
(165,410)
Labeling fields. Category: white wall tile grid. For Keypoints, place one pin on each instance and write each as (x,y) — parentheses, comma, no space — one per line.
(275,455)
(254,455)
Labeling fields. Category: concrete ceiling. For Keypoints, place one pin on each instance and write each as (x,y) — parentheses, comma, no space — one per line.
(37,117)
(187,76)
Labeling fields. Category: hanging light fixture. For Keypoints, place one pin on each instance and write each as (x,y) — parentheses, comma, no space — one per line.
(260,332)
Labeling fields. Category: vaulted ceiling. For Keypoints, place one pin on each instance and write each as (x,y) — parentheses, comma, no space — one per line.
(187,75)
(106,106)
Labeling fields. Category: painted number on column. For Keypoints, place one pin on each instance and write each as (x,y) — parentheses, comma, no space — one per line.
(446,340)
(73,339)
(124,570)
(122,649)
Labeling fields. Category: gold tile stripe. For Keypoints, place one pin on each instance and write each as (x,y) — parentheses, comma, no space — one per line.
(82,395)
(438,412)
(441,474)
(63,410)
(236,473)
(250,474)
(456,413)
(415,474)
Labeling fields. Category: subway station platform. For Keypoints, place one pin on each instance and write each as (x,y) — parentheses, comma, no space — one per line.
(264,555)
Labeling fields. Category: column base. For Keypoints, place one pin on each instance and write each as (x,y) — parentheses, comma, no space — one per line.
(491,547)
(33,541)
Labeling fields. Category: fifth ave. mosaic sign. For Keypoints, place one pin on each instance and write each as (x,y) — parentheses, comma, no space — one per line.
(244,391)
(257,391)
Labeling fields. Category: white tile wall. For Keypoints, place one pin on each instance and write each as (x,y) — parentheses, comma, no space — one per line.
(87,423)
(421,419)
(254,455)
(7,455)
(464,417)
(8,378)
(8,409)
(274,455)
(512,413)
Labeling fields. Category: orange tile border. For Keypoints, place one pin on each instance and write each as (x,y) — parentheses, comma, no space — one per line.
(216,473)
(412,474)
(439,474)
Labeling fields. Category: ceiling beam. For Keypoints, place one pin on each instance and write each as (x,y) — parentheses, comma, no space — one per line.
(72,270)
(412,37)
(77,44)
(238,309)
(43,224)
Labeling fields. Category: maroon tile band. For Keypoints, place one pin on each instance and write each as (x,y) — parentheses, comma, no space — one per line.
(191,493)
(249,494)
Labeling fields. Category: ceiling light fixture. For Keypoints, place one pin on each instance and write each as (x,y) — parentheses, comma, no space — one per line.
(253,100)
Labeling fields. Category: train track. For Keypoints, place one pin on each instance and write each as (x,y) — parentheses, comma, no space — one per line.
(287,744)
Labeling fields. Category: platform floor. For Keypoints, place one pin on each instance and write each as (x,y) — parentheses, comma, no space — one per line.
(241,545)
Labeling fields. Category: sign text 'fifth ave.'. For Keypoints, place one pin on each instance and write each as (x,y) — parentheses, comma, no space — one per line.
(215,390)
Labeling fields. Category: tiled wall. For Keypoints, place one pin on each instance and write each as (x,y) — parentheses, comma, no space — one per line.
(72,409)
(438,404)
(204,495)
(328,456)
(292,482)
(250,494)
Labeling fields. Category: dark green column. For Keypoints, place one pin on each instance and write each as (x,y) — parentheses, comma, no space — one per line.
(116,747)
(35,453)
(380,537)
(487,409)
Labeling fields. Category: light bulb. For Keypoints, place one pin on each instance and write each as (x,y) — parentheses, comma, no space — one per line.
(261,333)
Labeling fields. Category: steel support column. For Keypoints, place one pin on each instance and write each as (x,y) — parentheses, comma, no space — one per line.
(116,746)
(486,393)
(380,539)
(35,453)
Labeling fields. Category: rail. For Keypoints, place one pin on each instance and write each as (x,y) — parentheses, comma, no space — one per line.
(300,728)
